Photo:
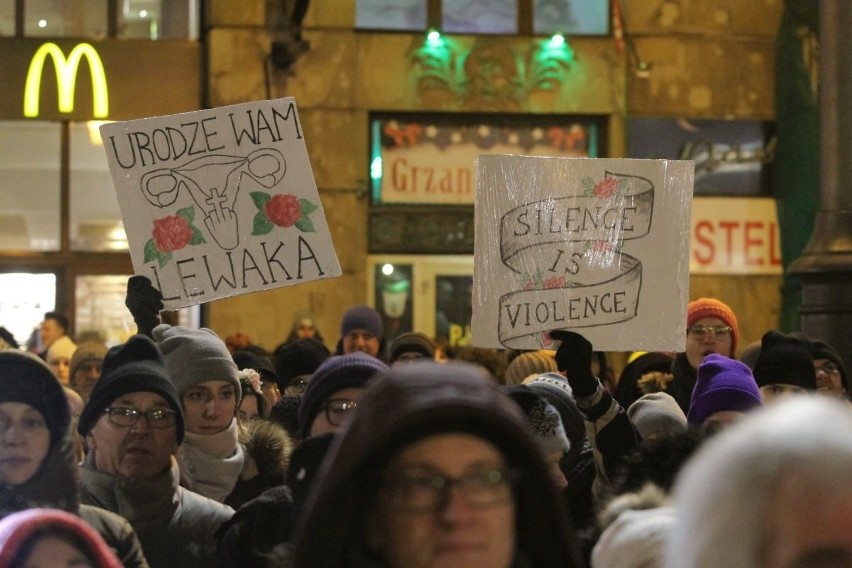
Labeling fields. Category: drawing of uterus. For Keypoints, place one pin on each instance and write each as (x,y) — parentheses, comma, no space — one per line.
(214,181)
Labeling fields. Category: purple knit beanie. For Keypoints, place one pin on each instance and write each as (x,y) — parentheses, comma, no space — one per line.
(722,384)
(362,317)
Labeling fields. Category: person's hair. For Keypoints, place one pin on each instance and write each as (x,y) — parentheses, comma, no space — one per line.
(248,389)
(492,360)
(60,318)
(62,533)
(657,461)
(727,491)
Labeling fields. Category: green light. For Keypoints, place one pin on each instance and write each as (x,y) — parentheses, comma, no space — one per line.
(376,168)
(433,38)
(557,40)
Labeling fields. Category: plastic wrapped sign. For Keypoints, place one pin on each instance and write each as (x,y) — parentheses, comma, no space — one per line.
(597,246)
(220,202)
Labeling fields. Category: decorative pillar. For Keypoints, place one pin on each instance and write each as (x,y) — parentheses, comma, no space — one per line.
(825,266)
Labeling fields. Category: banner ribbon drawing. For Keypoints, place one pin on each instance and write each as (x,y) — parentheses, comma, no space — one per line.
(567,253)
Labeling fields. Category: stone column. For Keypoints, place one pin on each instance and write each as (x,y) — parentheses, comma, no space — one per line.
(825,267)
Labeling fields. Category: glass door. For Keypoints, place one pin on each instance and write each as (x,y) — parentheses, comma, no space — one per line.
(430,294)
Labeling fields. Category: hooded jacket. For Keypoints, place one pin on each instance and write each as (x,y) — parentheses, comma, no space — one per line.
(412,402)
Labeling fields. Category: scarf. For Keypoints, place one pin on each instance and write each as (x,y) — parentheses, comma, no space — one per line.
(210,464)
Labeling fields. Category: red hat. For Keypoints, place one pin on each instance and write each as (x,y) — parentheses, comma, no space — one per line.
(713,308)
(18,529)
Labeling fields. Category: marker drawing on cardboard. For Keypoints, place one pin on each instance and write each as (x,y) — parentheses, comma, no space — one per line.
(220,202)
(600,246)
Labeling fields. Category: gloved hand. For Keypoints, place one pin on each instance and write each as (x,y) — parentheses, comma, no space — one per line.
(574,358)
(144,302)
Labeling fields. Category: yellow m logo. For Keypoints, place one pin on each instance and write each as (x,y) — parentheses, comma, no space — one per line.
(66,78)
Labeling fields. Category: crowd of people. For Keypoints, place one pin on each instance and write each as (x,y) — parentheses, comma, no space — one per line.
(180,448)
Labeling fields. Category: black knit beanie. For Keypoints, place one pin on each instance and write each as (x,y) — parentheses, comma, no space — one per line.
(412,342)
(25,378)
(335,373)
(246,359)
(785,359)
(136,366)
(299,358)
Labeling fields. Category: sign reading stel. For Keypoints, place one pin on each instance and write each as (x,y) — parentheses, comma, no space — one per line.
(599,246)
(220,202)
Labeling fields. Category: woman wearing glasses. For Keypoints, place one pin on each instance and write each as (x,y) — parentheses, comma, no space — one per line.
(711,327)
(434,469)
(37,464)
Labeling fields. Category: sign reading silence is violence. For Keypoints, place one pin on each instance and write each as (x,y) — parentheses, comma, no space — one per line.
(600,246)
(220,202)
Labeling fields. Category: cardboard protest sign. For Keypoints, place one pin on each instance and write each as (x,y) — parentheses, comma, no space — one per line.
(598,246)
(220,202)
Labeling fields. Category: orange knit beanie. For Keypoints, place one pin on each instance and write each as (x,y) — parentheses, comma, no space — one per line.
(713,308)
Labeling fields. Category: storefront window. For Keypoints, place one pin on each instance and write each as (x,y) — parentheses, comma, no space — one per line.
(573,17)
(100,309)
(7,17)
(22,312)
(59,18)
(426,293)
(391,14)
(393,298)
(158,19)
(95,217)
(479,16)
(29,185)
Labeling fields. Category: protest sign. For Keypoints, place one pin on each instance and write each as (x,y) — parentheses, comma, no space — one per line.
(598,246)
(220,202)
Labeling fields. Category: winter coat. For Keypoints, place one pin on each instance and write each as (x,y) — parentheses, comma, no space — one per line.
(175,527)
(684,381)
(267,448)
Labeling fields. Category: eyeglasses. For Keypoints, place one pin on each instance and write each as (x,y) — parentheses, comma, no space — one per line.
(126,417)
(701,331)
(425,491)
(828,368)
(337,409)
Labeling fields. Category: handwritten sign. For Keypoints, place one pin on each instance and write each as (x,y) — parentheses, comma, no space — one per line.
(220,202)
(600,246)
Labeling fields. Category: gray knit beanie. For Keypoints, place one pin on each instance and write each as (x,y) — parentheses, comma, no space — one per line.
(194,356)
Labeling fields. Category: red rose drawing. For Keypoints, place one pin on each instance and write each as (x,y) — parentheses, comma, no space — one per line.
(283,210)
(606,188)
(171,233)
(554,282)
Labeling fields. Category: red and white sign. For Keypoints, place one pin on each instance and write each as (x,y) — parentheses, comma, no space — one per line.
(734,236)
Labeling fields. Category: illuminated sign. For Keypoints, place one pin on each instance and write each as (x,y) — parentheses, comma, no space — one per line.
(66,79)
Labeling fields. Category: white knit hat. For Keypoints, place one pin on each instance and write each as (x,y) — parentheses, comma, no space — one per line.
(636,539)
(62,347)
